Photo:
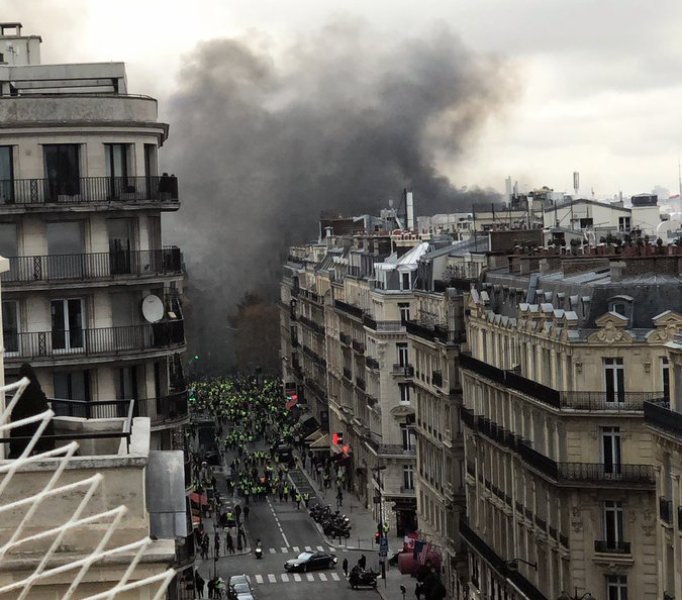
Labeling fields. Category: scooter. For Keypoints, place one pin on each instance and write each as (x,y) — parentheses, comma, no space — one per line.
(259,550)
(358,578)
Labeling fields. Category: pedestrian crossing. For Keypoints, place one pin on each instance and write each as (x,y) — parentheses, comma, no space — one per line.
(295,577)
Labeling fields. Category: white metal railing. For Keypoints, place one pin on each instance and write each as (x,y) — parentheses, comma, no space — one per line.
(53,488)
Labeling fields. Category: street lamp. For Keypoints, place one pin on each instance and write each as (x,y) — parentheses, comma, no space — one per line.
(513,565)
(382,529)
(585,596)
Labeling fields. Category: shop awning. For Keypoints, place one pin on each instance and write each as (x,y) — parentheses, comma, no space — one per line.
(198,498)
(321,442)
(315,435)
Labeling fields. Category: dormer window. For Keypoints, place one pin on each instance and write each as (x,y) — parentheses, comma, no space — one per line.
(621,305)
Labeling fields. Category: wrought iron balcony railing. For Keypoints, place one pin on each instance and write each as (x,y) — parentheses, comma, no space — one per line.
(87,190)
(93,342)
(164,409)
(403,370)
(660,415)
(92,266)
(587,400)
(350,309)
(611,547)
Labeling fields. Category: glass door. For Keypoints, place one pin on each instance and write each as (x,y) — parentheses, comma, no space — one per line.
(67,325)
(62,170)
(120,244)
(116,156)
(6,175)
(611,450)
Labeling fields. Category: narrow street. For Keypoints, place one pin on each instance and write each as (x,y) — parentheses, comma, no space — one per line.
(285,531)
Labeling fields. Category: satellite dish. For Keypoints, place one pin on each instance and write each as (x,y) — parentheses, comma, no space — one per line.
(152,308)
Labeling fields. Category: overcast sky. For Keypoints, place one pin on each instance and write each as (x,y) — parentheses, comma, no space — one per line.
(596,83)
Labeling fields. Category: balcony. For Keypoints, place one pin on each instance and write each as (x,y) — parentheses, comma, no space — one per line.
(52,194)
(606,473)
(405,370)
(312,325)
(584,401)
(347,374)
(659,415)
(165,409)
(349,309)
(371,363)
(101,341)
(665,510)
(395,450)
(95,266)
(611,547)
(358,347)
(360,383)
(498,563)
(345,339)
(437,379)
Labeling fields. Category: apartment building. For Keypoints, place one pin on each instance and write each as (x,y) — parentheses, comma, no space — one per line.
(92,297)
(566,354)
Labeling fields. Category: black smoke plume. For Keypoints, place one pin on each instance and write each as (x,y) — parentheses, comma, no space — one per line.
(263,140)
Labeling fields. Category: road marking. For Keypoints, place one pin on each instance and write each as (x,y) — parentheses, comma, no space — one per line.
(295,549)
(285,578)
(279,525)
(284,549)
(335,577)
(297,577)
(320,548)
(259,579)
(308,549)
(272,578)
(323,577)
(273,551)
(310,577)
(331,549)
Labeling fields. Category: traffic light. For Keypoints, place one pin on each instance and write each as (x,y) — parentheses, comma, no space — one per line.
(377,537)
(338,438)
(345,449)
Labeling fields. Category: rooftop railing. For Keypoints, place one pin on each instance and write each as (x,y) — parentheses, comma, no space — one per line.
(87,190)
(92,266)
(93,342)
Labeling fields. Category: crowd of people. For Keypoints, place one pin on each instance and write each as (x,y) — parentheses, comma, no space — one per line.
(253,433)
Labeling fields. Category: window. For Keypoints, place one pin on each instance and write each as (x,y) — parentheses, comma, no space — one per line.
(618,308)
(665,377)
(6,175)
(404,308)
(67,324)
(405,281)
(408,477)
(403,357)
(62,170)
(9,246)
(64,244)
(404,392)
(10,325)
(614,375)
(120,245)
(624,224)
(616,587)
(613,525)
(407,436)
(116,156)
(585,222)
(72,385)
(611,450)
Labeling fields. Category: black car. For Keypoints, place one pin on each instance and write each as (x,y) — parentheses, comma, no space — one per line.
(308,561)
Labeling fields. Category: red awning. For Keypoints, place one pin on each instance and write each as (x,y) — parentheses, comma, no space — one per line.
(198,498)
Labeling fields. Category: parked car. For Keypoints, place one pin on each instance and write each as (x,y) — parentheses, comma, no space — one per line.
(238,591)
(309,561)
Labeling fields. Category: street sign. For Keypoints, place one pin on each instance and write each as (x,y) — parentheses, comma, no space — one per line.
(383,547)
